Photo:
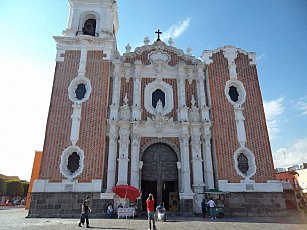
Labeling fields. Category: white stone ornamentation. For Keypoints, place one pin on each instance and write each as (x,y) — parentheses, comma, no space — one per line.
(159,56)
(194,111)
(125,110)
(74,85)
(251,162)
(171,42)
(168,91)
(64,162)
(160,121)
(238,86)
(128,48)
(146,41)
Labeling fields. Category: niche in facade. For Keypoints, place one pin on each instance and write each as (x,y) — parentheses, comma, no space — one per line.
(156,96)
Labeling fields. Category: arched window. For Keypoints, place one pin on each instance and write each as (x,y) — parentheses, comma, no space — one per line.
(89,27)
(156,96)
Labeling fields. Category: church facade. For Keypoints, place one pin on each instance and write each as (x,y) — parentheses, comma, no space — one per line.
(155,118)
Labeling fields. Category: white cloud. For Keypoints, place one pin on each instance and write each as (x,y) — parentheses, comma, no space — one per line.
(295,154)
(261,56)
(301,104)
(272,110)
(176,30)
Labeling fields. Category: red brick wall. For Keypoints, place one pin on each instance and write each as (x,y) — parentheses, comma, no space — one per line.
(255,124)
(191,89)
(92,126)
(224,126)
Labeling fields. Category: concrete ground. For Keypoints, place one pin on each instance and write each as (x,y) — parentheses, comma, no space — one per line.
(14,218)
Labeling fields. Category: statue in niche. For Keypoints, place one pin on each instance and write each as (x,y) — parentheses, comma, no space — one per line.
(159,108)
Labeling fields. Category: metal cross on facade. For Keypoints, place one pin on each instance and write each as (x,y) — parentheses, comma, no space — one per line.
(158,32)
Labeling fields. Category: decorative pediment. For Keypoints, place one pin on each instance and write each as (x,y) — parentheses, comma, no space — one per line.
(159,51)
(159,56)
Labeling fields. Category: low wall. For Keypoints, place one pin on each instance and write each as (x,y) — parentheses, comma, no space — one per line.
(255,204)
(66,204)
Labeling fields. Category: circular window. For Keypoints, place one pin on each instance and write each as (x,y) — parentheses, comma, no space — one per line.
(72,162)
(79,89)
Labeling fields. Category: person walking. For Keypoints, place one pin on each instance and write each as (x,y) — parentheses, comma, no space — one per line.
(204,207)
(211,204)
(84,212)
(150,202)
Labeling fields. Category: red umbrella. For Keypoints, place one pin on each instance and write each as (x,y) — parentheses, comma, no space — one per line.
(127,191)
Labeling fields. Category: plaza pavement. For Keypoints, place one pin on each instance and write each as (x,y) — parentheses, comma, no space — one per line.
(14,218)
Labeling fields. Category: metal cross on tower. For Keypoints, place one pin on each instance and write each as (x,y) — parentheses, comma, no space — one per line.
(158,32)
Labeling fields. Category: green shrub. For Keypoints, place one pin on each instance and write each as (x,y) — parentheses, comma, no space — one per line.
(25,188)
(14,188)
(2,187)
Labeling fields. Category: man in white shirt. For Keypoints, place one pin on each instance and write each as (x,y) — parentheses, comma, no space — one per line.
(211,204)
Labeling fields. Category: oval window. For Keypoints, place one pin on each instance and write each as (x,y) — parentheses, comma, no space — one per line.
(233,93)
(73,162)
(80,91)
(243,163)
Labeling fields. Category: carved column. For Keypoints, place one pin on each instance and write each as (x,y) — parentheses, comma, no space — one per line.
(185,163)
(179,176)
(112,157)
(182,108)
(75,126)
(115,92)
(135,159)
(123,153)
(204,110)
(136,108)
(198,181)
(208,164)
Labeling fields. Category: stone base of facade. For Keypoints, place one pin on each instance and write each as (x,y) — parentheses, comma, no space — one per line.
(255,204)
(186,203)
(66,204)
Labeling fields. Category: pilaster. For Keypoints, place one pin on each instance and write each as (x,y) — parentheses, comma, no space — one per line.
(123,152)
(112,156)
(135,156)
(207,156)
(198,181)
(185,162)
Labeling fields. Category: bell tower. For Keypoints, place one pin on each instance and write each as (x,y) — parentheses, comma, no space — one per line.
(96,18)
(74,152)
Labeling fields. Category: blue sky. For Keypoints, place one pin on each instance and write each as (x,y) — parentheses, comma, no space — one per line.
(275,29)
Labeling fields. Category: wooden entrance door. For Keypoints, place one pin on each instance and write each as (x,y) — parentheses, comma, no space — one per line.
(159,173)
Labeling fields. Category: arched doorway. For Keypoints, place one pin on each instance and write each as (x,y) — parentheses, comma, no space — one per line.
(159,176)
